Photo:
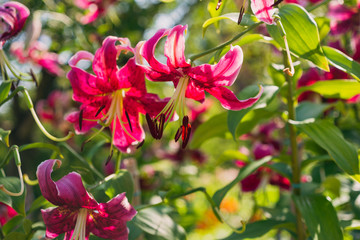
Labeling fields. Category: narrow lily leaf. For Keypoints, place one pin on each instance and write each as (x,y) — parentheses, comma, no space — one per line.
(343,62)
(306,110)
(4,136)
(329,137)
(212,6)
(256,37)
(13,185)
(41,145)
(301,33)
(156,223)
(236,119)
(259,228)
(214,127)
(324,27)
(4,90)
(320,217)
(343,89)
(247,20)
(243,173)
(113,185)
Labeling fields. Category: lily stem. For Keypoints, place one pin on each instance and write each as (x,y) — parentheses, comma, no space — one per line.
(196,56)
(295,161)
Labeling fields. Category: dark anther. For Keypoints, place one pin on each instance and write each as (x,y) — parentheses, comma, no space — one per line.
(218,4)
(81,118)
(161,126)
(128,119)
(185,121)
(178,133)
(187,136)
(242,10)
(34,77)
(276,3)
(140,144)
(99,111)
(109,158)
(151,125)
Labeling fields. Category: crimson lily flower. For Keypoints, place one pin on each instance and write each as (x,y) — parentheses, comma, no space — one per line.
(191,82)
(78,214)
(95,8)
(13,16)
(6,213)
(344,18)
(263,10)
(38,54)
(113,97)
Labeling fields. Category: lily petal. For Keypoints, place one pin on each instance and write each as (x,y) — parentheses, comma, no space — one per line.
(263,10)
(175,47)
(223,73)
(68,191)
(228,99)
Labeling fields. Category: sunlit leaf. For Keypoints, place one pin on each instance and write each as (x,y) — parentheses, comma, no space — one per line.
(343,62)
(247,20)
(258,229)
(341,89)
(113,185)
(4,136)
(214,127)
(157,223)
(320,217)
(243,173)
(246,119)
(323,24)
(301,33)
(329,137)
(4,90)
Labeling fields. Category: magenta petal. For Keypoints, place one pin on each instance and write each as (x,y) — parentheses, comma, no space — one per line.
(223,73)
(69,190)
(132,76)
(175,47)
(251,182)
(110,222)
(58,220)
(263,10)
(228,99)
(148,49)
(194,92)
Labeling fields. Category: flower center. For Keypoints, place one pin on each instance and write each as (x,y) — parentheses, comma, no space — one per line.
(175,104)
(80,226)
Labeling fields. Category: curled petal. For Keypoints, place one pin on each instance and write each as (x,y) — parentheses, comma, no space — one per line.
(263,10)
(228,99)
(147,51)
(68,191)
(223,73)
(175,47)
(194,92)
(80,55)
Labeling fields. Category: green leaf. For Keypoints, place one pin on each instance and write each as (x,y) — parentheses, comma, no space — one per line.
(243,173)
(329,137)
(157,223)
(245,119)
(341,89)
(323,24)
(4,90)
(247,20)
(301,33)
(41,145)
(4,136)
(13,185)
(343,62)
(215,13)
(320,217)
(113,185)
(214,127)
(306,110)
(258,229)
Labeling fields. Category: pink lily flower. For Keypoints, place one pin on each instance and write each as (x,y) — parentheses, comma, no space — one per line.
(13,16)
(344,18)
(6,213)
(78,214)
(113,96)
(263,10)
(96,8)
(190,82)
(38,54)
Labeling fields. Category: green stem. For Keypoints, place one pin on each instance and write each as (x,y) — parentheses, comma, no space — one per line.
(295,161)
(83,160)
(118,162)
(196,56)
